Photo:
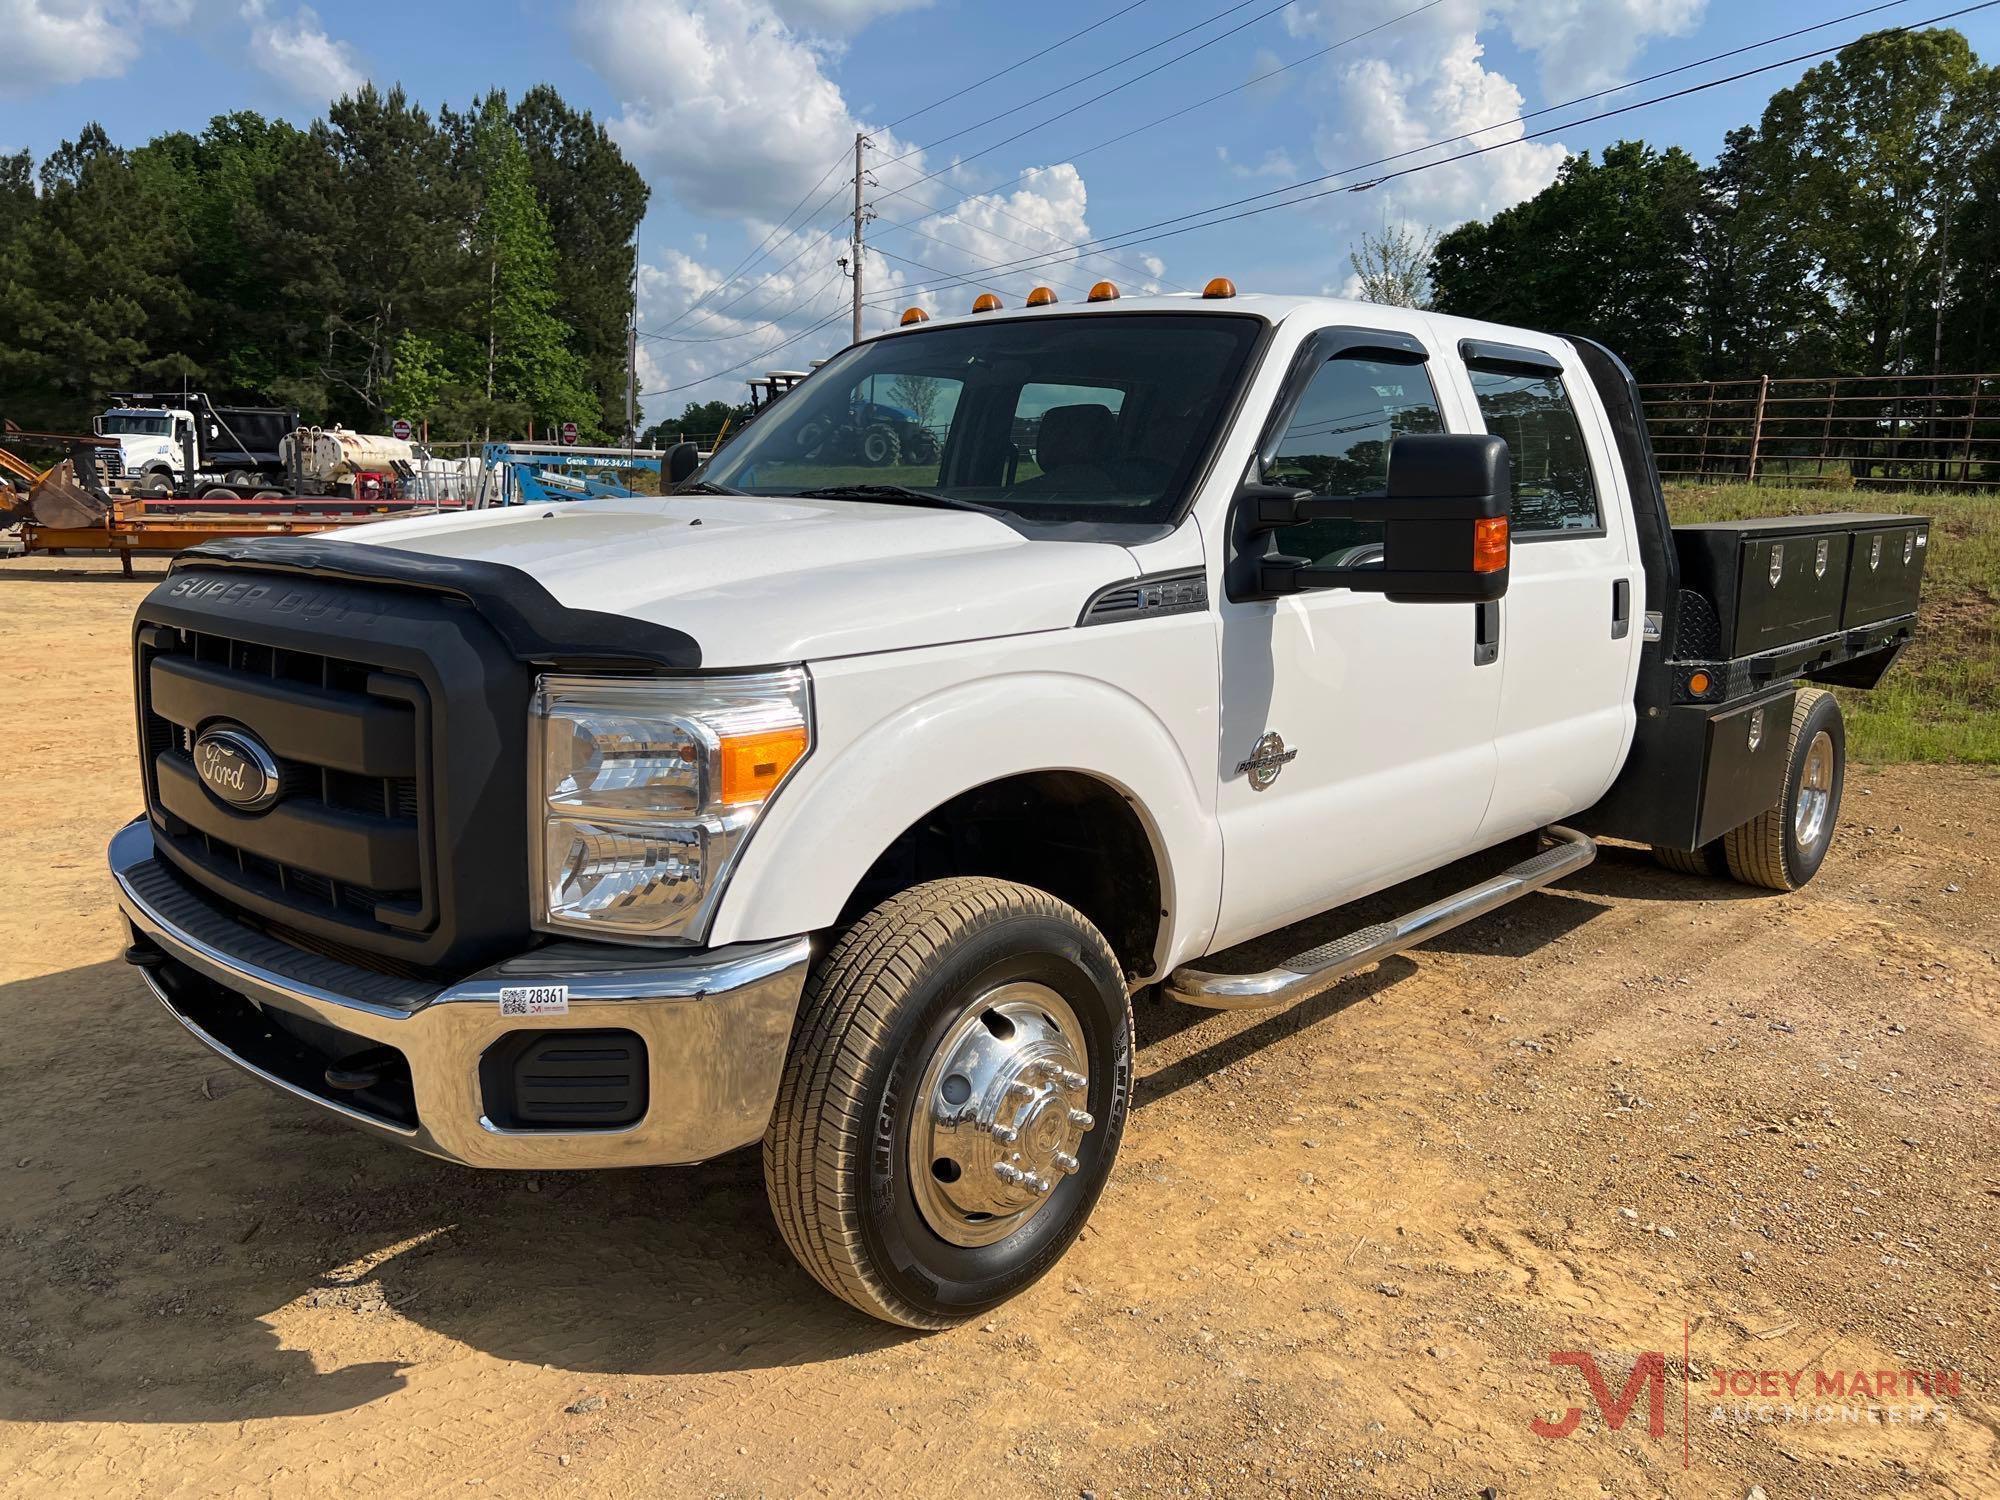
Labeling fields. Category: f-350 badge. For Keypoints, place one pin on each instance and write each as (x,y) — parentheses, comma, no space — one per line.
(1266,761)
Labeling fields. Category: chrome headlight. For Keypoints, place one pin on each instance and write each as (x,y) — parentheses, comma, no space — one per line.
(646,789)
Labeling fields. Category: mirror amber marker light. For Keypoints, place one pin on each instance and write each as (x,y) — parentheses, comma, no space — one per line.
(1489,544)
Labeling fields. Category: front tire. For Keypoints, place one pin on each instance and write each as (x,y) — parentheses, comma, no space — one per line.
(977,1032)
(1782,849)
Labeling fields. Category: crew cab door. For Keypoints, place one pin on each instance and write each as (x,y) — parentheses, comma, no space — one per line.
(1356,734)
(1571,626)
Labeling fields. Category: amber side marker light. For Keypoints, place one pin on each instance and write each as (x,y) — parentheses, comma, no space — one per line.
(1104,291)
(754,764)
(914,315)
(1041,296)
(986,302)
(1222,286)
(1489,544)
(1699,684)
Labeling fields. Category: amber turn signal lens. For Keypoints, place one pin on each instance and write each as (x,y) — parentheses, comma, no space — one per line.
(986,302)
(1489,544)
(914,315)
(754,764)
(1041,296)
(1699,684)
(1104,291)
(1222,286)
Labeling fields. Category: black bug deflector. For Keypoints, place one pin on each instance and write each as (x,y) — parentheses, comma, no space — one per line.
(535,626)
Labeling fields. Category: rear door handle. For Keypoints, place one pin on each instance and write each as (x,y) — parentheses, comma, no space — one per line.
(1486,633)
(1621,608)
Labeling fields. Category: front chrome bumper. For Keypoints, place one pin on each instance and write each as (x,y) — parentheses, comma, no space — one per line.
(715,1024)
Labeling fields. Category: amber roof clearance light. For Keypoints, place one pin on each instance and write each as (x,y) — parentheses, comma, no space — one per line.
(1222,286)
(986,302)
(1041,296)
(1104,291)
(914,315)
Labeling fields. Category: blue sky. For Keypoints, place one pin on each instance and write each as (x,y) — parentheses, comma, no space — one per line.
(734,108)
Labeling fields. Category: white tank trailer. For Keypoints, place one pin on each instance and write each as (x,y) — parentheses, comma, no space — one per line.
(326,459)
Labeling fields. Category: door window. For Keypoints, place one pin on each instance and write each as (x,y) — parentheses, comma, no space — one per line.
(1553,488)
(1337,445)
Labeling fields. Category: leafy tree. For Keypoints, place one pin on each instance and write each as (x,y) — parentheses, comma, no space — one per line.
(1867,153)
(701,419)
(528,358)
(89,291)
(417,379)
(594,199)
(919,395)
(1606,251)
(1394,267)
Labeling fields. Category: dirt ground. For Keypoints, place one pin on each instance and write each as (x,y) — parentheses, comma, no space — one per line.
(1341,1247)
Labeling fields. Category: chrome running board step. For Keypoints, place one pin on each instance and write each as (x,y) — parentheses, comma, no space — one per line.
(1321,968)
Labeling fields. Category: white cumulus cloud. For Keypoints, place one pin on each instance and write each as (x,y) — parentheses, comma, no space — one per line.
(730,105)
(48,43)
(1427,79)
(296,49)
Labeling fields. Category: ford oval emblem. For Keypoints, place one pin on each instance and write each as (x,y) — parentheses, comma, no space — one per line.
(237,769)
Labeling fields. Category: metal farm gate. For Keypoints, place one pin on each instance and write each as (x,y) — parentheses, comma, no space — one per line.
(1909,431)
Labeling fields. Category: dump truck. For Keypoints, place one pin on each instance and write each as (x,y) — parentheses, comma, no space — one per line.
(184,444)
(847,820)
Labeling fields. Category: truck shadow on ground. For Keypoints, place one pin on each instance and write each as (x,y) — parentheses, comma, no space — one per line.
(179,1244)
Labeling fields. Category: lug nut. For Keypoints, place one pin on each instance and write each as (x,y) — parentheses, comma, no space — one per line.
(1007,1174)
(1064,1162)
(1006,1135)
(1071,1080)
(1081,1119)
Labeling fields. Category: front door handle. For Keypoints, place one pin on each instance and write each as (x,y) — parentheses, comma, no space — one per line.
(1621,608)
(1486,633)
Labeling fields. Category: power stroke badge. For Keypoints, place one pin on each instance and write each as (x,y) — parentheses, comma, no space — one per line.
(1266,761)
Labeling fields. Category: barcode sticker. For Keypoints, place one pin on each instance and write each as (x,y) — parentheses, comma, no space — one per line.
(534,1000)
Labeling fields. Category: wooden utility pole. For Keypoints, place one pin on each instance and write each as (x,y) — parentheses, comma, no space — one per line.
(860,218)
(632,359)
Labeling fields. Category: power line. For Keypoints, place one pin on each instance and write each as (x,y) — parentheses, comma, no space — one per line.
(1085,104)
(821,238)
(1199,104)
(1127,238)
(772,320)
(758,252)
(987,192)
(1014,66)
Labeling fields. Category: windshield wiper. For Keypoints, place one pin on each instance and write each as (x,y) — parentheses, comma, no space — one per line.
(899,494)
(705,487)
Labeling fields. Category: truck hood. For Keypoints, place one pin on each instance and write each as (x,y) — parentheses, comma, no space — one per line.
(759,581)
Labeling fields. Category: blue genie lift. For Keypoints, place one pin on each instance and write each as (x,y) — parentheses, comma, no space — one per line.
(541,473)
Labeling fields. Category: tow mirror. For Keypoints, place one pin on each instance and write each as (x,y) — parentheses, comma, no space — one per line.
(680,461)
(1443,519)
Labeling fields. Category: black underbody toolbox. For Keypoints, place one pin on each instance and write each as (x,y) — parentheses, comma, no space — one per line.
(1761,605)
(1778,580)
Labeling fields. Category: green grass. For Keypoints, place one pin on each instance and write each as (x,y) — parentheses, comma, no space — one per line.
(1941,702)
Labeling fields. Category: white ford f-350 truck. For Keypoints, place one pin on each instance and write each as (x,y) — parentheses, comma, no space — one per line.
(846,808)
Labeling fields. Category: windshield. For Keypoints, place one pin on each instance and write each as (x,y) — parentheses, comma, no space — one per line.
(138,424)
(1049,421)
